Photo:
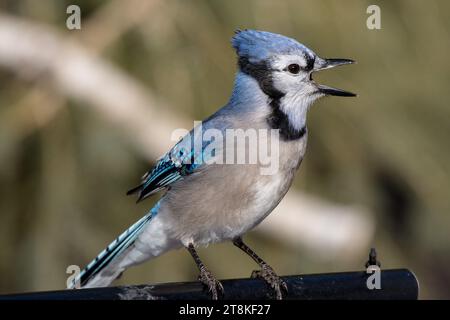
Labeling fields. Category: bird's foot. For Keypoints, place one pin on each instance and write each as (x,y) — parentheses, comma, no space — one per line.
(211,283)
(275,282)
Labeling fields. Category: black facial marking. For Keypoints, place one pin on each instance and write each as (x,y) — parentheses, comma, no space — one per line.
(309,62)
(279,120)
(262,73)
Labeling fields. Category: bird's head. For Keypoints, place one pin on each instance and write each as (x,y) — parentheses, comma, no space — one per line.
(282,65)
(283,69)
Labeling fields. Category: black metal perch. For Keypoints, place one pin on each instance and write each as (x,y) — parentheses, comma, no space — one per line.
(395,284)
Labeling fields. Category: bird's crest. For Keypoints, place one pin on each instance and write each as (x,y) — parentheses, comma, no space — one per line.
(260,45)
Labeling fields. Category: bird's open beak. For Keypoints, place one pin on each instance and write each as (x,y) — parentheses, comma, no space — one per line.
(322,64)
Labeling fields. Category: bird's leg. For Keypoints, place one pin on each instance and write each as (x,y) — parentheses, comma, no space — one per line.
(266,272)
(206,277)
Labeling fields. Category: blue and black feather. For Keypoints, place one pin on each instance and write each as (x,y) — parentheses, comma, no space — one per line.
(176,164)
(113,250)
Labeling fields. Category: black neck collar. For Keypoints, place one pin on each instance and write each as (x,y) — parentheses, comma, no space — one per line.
(277,118)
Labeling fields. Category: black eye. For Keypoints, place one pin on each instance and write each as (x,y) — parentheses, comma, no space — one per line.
(294,68)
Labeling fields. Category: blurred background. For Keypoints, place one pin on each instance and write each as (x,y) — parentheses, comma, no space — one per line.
(84,113)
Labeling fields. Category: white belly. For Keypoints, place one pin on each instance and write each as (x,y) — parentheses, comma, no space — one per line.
(224,202)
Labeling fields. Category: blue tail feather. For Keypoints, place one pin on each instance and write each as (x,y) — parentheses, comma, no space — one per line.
(114,249)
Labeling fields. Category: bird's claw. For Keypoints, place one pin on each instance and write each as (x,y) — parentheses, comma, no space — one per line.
(271,278)
(211,283)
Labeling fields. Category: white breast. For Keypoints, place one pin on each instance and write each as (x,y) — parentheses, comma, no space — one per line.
(270,190)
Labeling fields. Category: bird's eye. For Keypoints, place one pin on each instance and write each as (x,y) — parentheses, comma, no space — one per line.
(294,68)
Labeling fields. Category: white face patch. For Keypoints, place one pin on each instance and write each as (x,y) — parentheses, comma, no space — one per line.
(286,81)
(296,107)
(282,61)
(299,90)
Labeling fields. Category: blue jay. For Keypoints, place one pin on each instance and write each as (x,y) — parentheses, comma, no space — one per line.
(207,203)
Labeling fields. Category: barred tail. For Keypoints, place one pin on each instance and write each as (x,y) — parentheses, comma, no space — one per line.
(103,269)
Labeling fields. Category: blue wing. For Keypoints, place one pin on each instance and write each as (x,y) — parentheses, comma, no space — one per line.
(177,163)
